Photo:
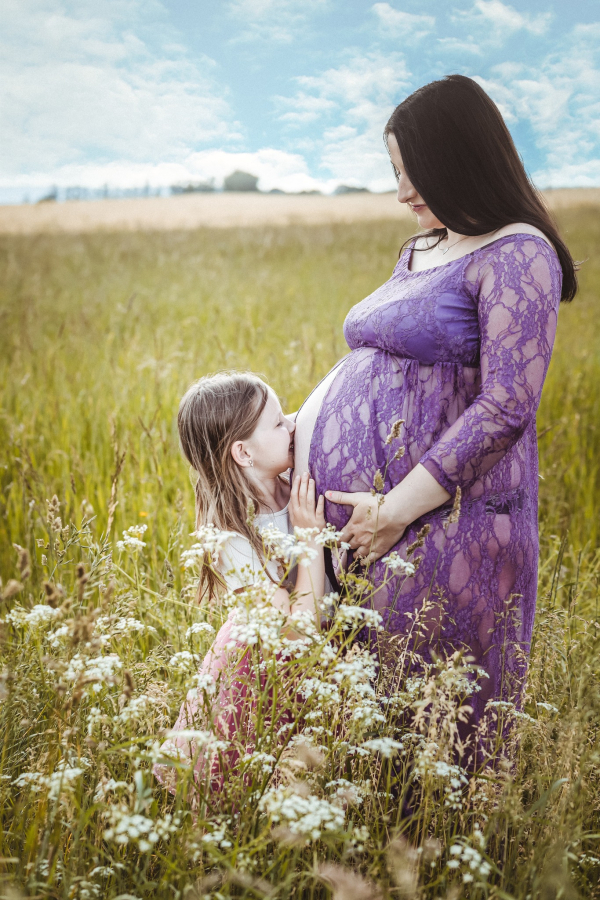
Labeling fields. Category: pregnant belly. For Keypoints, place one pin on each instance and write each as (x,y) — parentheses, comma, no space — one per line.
(306,420)
(342,428)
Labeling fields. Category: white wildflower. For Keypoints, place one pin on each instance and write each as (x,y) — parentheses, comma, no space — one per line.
(259,623)
(292,549)
(55,638)
(328,604)
(198,738)
(396,563)
(204,681)
(353,749)
(386,746)
(96,671)
(126,828)
(454,776)
(357,669)
(366,715)
(217,836)
(327,694)
(61,781)
(102,872)
(137,708)
(199,628)
(346,792)
(303,620)
(329,537)
(38,617)
(209,543)
(354,616)
(108,786)
(306,816)
(122,625)
(471,860)
(95,718)
(264,762)
(132,540)
(547,706)
(305,534)
(184,661)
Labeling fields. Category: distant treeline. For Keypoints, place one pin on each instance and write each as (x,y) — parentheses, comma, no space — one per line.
(237,181)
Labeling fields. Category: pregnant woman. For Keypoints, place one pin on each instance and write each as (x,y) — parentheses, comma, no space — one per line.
(456,344)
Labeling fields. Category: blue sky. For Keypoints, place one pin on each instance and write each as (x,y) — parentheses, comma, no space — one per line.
(128,92)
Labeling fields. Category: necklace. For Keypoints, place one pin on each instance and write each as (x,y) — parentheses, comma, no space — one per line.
(450,246)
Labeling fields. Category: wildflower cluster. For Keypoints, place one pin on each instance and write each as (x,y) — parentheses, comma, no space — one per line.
(209,543)
(304,814)
(307,743)
(63,780)
(126,827)
(132,539)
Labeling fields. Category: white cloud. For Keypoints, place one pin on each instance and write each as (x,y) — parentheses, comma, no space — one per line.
(364,87)
(559,98)
(456,45)
(508,20)
(306,108)
(276,21)
(396,23)
(84,82)
(495,21)
(354,101)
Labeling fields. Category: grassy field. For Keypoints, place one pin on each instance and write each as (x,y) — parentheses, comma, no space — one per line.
(101,335)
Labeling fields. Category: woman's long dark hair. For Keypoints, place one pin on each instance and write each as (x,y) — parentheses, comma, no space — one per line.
(460,157)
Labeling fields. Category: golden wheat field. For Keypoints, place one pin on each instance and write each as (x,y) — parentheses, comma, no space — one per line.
(101,634)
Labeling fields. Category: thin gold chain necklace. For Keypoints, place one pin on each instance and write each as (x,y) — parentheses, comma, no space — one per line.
(445,249)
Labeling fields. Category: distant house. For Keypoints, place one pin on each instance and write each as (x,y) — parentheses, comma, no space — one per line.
(240,181)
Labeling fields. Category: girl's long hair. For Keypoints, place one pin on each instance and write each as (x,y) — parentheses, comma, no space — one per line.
(460,157)
(215,412)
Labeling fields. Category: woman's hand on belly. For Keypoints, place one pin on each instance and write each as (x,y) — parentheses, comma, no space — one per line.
(375,526)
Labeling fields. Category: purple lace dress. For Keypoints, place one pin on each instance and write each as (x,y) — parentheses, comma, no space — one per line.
(460,352)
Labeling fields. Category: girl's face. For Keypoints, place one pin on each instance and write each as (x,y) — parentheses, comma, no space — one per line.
(406,192)
(270,449)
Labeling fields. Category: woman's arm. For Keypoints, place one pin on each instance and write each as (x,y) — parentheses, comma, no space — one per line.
(519,292)
(374,527)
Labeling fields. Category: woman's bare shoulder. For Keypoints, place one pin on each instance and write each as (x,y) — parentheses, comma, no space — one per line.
(520,228)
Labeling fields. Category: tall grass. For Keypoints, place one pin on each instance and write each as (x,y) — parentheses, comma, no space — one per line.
(101,335)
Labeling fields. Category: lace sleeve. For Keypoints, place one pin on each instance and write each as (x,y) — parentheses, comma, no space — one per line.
(518,287)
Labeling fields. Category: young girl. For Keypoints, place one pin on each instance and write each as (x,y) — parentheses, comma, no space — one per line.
(234,435)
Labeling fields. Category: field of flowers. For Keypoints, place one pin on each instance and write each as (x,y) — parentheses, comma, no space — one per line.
(346,783)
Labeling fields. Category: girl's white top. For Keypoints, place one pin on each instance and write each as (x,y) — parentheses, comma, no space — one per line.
(238,562)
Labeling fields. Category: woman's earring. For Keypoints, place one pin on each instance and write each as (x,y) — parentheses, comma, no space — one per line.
(250,462)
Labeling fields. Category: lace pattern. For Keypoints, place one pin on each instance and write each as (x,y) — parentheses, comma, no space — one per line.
(460,352)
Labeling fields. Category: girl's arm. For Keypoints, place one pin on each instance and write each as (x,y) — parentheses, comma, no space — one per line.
(305,512)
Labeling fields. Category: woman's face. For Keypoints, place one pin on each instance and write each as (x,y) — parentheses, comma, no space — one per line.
(406,192)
